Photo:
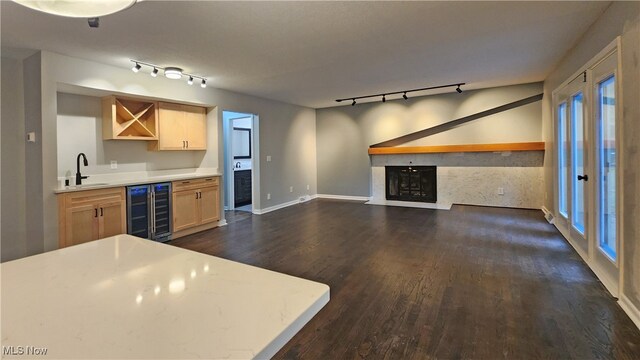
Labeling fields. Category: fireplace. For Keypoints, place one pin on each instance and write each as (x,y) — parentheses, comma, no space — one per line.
(411,183)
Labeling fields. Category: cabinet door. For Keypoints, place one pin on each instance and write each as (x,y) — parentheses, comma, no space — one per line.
(209,204)
(195,119)
(172,135)
(111,219)
(185,209)
(81,224)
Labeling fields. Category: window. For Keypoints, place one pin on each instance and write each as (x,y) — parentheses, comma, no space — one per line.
(562,159)
(606,131)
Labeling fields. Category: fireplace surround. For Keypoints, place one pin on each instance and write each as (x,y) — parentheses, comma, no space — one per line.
(411,183)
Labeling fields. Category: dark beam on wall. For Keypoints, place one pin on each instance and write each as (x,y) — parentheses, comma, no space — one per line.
(455,123)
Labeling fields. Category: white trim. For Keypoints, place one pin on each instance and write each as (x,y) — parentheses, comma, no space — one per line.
(632,311)
(419,205)
(343,197)
(548,215)
(222,222)
(283,205)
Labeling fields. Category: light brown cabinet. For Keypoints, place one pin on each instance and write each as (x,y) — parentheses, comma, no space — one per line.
(90,215)
(129,119)
(196,205)
(181,127)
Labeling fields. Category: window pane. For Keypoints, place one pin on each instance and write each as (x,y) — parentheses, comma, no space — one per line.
(577,164)
(562,159)
(607,165)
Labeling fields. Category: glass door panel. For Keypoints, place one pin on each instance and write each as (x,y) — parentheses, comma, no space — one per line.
(606,167)
(578,176)
(563,163)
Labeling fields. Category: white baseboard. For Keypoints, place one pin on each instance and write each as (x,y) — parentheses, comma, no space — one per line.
(419,205)
(630,309)
(222,222)
(548,215)
(343,197)
(301,200)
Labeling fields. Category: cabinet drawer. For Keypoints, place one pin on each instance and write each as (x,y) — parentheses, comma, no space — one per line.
(192,184)
(92,196)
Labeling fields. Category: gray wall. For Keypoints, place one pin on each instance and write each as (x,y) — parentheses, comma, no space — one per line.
(621,18)
(13,160)
(344,133)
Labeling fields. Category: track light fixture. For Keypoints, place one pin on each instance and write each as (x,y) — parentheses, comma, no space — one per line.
(171,72)
(403,92)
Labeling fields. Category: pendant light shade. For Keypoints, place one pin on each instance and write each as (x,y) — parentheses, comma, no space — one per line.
(77,8)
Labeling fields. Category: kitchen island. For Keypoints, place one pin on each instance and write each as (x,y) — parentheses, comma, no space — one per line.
(126,297)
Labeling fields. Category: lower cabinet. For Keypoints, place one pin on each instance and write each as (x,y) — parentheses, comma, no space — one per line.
(90,215)
(196,205)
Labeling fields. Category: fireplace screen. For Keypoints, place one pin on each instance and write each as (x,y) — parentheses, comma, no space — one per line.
(411,183)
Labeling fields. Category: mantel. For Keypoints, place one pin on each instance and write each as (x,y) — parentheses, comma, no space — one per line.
(524,146)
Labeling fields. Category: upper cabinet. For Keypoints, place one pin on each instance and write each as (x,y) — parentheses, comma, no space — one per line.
(181,127)
(129,119)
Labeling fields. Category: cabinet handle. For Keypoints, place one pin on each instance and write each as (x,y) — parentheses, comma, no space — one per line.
(208,179)
(184,144)
(186,182)
(96,209)
(187,144)
(196,194)
(200,192)
(101,212)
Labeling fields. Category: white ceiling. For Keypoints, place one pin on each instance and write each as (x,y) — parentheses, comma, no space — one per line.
(310,53)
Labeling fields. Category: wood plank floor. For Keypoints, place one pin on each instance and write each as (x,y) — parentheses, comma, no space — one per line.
(470,283)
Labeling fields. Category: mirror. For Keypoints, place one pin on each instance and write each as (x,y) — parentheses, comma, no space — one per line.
(241,143)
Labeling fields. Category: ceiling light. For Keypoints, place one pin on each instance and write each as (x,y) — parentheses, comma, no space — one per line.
(403,92)
(173,73)
(354,102)
(136,68)
(154,73)
(404,96)
(190,81)
(203,84)
(384,99)
(459,90)
(77,9)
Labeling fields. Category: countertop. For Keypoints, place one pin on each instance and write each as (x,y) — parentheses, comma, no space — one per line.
(88,185)
(126,297)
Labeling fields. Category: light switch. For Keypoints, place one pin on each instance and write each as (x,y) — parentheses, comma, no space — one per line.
(31,137)
(268,158)
(114,164)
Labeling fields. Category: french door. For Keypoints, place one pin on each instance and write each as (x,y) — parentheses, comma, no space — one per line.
(587,133)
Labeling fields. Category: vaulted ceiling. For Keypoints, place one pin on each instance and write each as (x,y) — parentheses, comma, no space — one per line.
(310,53)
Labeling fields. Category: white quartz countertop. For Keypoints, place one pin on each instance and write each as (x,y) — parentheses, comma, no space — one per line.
(89,184)
(126,297)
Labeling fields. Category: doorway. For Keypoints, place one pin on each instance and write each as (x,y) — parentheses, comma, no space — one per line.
(241,170)
(587,115)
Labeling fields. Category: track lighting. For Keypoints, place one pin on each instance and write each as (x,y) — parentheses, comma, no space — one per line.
(403,92)
(171,72)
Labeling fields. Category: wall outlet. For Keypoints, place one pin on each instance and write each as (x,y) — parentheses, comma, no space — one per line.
(290,188)
(307,186)
(500,191)
(268,158)
(114,164)
(268,196)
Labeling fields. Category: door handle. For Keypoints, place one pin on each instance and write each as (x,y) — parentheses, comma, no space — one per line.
(585,177)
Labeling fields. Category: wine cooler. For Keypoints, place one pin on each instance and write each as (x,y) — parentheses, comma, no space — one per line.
(149,211)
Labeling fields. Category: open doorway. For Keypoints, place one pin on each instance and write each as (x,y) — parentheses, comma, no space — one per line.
(241,171)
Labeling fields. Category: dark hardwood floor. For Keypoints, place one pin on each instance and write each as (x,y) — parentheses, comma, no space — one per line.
(470,283)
